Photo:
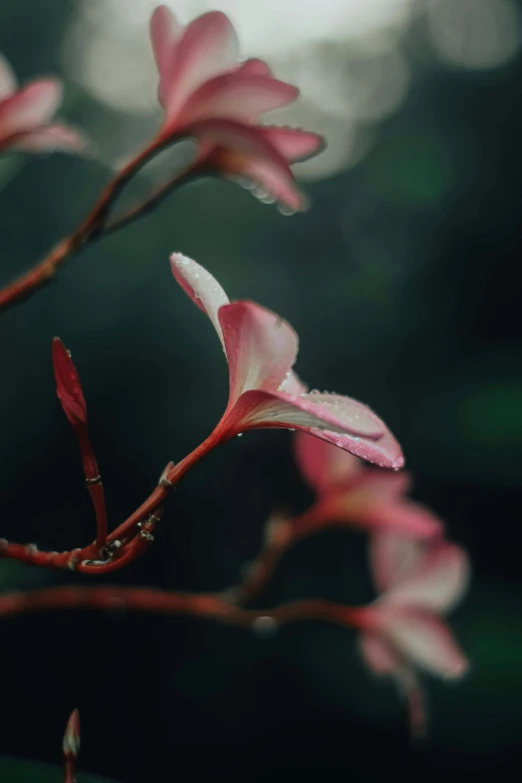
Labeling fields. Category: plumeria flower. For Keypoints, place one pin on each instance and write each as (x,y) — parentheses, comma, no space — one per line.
(208,94)
(347,491)
(261,349)
(403,630)
(26,115)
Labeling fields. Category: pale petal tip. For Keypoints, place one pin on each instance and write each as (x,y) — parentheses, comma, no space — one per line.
(179,260)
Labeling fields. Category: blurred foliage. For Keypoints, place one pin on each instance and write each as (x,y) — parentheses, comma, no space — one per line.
(23,771)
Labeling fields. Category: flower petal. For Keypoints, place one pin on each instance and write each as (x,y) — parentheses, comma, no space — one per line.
(392,558)
(29,108)
(209,46)
(345,422)
(384,452)
(359,507)
(423,639)
(378,653)
(293,384)
(241,150)
(255,66)
(293,144)
(323,465)
(7,79)
(237,95)
(203,289)
(165,31)
(51,138)
(437,579)
(261,348)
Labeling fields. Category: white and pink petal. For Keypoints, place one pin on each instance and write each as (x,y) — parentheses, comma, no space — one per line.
(261,347)
(322,465)
(351,426)
(31,107)
(424,640)
(237,95)
(293,144)
(241,150)
(51,138)
(201,287)
(208,47)
(437,580)
(165,32)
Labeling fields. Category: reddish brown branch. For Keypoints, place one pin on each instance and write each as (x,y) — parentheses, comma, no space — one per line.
(93,226)
(281,535)
(210,607)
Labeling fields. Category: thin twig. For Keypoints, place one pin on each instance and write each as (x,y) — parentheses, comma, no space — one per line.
(206,606)
(93,227)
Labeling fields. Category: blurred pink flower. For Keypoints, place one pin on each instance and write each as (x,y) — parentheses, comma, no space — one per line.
(26,114)
(402,629)
(347,491)
(208,94)
(261,350)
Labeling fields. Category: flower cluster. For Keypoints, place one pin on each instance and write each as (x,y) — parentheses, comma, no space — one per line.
(207,93)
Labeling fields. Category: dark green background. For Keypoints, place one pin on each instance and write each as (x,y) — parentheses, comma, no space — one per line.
(427,330)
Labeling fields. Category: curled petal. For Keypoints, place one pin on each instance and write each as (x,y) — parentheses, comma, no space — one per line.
(68,386)
(260,347)
(29,108)
(436,580)
(423,639)
(165,30)
(322,464)
(293,144)
(203,289)
(237,95)
(335,413)
(242,150)
(349,424)
(384,452)
(256,67)
(208,46)
(51,138)
(7,79)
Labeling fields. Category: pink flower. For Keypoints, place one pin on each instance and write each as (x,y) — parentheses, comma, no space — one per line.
(402,629)
(26,114)
(349,492)
(208,94)
(261,350)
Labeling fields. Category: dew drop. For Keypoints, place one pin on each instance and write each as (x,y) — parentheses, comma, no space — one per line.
(239,434)
(286,210)
(265,626)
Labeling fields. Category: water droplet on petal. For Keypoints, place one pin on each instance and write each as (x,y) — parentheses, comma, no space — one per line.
(239,434)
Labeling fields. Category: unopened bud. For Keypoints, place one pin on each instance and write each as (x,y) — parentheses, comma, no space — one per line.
(71,738)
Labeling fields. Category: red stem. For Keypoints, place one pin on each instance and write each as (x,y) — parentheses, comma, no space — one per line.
(92,227)
(209,606)
(69,771)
